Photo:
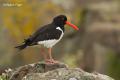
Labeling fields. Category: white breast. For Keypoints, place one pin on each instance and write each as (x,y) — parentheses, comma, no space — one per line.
(51,43)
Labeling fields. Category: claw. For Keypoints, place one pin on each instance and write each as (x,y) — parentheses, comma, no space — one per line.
(51,61)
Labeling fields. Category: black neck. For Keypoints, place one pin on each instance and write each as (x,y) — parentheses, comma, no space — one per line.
(58,25)
(62,28)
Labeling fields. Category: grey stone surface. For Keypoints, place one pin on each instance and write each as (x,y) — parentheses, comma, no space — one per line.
(66,74)
(43,71)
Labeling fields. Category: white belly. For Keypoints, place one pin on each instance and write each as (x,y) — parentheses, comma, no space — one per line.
(48,43)
(51,43)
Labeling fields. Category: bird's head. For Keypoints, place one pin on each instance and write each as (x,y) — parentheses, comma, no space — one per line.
(61,20)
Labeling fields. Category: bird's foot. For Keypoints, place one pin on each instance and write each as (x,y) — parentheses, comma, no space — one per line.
(51,61)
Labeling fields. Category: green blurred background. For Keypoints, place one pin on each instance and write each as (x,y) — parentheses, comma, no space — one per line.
(96,47)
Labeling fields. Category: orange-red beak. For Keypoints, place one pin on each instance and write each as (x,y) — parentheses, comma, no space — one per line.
(72,25)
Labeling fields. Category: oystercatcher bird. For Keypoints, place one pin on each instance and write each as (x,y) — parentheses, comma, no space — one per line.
(48,36)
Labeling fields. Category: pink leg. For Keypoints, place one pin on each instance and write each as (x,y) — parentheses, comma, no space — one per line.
(49,53)
(51,60)
(43,54)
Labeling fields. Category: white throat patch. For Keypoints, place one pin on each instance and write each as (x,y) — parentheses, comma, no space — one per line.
(59,29)
(61,33)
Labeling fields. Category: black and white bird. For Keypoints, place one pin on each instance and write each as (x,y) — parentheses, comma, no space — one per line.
(48,36)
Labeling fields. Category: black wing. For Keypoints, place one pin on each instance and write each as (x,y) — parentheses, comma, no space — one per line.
(45,33)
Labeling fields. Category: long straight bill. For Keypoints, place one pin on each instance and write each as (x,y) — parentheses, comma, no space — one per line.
(72,25)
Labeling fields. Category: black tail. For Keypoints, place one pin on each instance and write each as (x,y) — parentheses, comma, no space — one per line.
(24,45)
(21,47)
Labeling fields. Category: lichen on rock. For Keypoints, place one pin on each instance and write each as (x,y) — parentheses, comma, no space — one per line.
(59,71)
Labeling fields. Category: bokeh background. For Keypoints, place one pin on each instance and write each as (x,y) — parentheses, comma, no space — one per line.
(95,47)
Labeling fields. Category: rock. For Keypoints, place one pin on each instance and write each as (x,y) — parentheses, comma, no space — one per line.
(39,67)
(66,74)
(59,71)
